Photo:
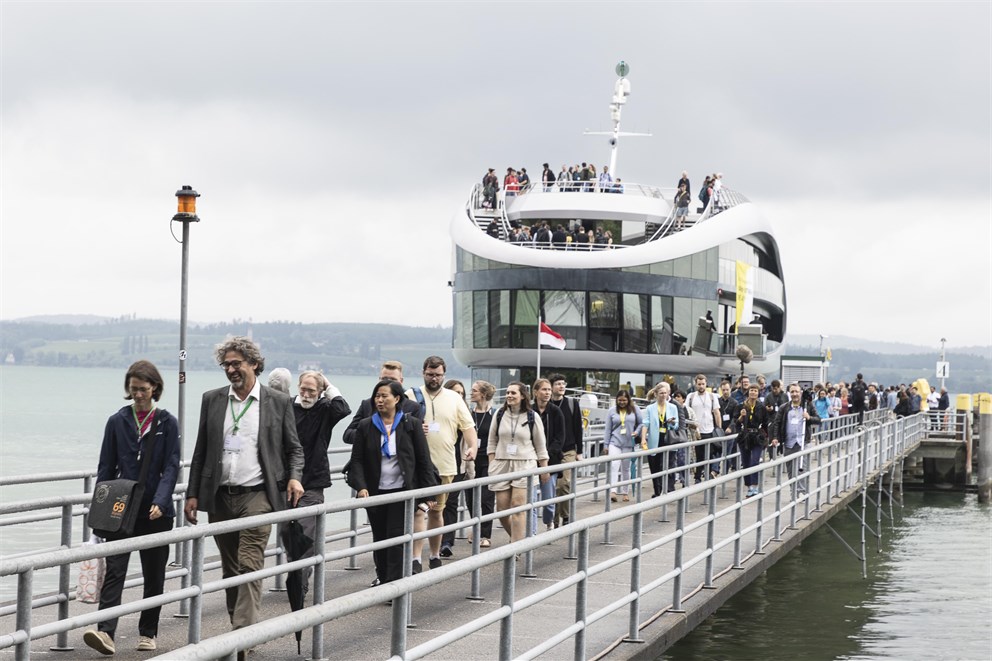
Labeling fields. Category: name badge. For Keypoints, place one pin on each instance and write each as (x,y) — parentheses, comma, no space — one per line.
(623,431)
(232,443)
(511,449)
(434,426)
(726,416)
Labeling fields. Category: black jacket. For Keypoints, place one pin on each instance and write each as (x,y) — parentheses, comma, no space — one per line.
(729,410)
(777,430)
(569,407)
(314,427)
(554,432)
(412,452)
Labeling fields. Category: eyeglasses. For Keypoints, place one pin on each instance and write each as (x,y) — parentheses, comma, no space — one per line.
(228,364)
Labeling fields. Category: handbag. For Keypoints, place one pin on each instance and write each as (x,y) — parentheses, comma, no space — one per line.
(115,504)
(91,575)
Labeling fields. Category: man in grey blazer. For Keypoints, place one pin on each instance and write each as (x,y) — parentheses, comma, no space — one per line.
(247,461)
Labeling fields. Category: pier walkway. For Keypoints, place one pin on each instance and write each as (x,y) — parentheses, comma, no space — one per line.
(623,580)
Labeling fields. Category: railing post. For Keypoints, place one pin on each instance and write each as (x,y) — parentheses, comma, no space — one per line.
(677,581)
(317,635)
(25,581)
(533,520)
(185,579)
(353,541)
(476,594)
(738,513)
(280,582)
(819,476)
(581,593)
(758,541)
(87,488)
(409,511)
(574,474)
(196,602)
(62,638)
(710,531)
(635,582)
(778,499)
(608,500)
(506,599)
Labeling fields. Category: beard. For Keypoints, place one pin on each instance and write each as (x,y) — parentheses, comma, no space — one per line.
(307,402)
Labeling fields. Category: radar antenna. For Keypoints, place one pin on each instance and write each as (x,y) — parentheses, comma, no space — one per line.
(621,90)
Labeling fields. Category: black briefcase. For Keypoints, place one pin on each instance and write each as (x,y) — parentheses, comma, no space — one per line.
(114,509)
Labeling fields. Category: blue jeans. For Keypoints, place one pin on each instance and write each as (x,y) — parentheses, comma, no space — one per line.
(543,491)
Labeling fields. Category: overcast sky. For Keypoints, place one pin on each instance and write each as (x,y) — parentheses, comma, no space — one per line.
(333,142)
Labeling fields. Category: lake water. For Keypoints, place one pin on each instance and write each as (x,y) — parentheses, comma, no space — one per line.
(928,594)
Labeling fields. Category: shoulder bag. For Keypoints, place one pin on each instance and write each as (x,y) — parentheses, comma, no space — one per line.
(115,504)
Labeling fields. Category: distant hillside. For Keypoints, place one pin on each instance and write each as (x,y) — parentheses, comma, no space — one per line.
(881,346)
(336,348)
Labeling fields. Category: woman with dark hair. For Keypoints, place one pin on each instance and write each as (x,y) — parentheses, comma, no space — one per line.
(752,437)
(516,443)
(623,429)
(389,455)
(129,434)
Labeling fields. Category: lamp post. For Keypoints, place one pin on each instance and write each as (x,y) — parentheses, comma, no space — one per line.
(943,341)
(185,214)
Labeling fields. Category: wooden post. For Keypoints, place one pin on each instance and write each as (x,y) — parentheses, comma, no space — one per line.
(984,447)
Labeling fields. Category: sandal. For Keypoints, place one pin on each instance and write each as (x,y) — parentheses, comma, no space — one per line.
(484,543)
(626,498)
(613,497)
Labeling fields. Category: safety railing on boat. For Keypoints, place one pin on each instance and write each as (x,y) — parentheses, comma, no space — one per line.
(837,465)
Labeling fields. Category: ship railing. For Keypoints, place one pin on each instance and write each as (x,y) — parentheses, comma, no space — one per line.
(725,199)
(947,424)
(607,188)
(848,461)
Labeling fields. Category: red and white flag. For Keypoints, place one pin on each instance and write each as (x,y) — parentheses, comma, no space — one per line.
(549,338)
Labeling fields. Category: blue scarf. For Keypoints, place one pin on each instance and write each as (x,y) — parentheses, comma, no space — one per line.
(377,421)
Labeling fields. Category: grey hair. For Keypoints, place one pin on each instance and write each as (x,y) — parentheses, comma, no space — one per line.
(279,379)
(248,349)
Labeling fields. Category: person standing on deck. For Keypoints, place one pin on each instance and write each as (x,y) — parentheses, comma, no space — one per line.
(793,427)
(445,413)
(706,407)
(572,445)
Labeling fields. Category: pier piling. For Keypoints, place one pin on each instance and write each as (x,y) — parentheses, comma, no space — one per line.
(984,447)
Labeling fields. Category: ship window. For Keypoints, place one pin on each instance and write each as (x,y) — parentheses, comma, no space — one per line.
(525,318)
(604,322)
(683,320)
(499,319)
(463,319)
(662,325)
(565,312)
(683,267)
(635,323)
(480,316)
(663,268)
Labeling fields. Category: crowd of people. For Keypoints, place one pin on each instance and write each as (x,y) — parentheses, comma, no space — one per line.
(579,178)
(575,236)
(260,449)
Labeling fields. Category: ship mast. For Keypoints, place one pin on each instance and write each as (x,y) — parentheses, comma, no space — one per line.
(621,90)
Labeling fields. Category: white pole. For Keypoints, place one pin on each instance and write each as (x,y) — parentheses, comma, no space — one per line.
(538,346)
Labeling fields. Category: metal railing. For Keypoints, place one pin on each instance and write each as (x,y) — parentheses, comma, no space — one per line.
(839,463)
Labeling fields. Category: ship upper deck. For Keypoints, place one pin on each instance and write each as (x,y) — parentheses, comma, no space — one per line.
(634,213)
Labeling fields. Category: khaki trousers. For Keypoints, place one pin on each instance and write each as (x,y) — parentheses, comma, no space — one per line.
(242,552)
(564,487)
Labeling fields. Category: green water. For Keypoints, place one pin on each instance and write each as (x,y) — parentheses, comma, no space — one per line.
(928,594)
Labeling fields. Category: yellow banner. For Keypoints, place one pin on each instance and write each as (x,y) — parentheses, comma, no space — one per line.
(745,294)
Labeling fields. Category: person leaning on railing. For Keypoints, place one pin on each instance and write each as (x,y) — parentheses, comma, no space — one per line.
(128,435)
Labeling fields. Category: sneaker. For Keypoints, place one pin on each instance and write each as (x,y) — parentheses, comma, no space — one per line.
(446,552)
(100,641)
(434,563)
(146,644)
(416,567)
(375,582)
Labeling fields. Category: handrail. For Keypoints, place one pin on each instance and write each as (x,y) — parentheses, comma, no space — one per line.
(844,429)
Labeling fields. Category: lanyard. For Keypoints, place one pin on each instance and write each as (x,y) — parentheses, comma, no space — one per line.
(662,414)
(623,418)
(142,426)
(237,418)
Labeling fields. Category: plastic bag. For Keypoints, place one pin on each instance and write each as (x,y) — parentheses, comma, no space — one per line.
(91,575)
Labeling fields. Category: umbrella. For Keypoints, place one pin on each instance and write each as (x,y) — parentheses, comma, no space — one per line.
(297,544)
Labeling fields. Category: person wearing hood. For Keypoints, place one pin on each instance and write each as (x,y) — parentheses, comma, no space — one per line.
(317,408)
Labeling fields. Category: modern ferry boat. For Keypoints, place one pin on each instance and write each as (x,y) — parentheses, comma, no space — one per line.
(632,312)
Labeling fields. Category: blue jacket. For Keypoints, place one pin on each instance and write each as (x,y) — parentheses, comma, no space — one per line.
(119,457)
(651,422)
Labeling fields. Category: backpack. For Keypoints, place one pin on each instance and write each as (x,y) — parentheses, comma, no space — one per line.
(530,420)
(419,395)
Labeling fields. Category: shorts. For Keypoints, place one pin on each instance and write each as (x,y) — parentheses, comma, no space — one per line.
(442,498)
(506,466)
(681,211)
